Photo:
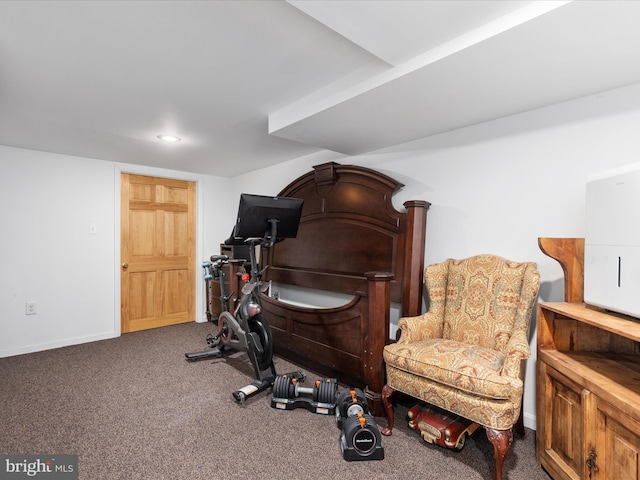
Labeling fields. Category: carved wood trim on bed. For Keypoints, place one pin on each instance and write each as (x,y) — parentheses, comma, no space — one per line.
(351,240)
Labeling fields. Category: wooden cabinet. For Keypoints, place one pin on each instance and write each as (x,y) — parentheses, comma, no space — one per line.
(588,393)
(237,252)
(232,272)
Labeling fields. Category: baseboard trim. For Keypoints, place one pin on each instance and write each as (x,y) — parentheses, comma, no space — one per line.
(66,342)
(529,421)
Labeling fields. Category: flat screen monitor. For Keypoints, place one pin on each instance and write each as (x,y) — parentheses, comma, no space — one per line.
(255,213)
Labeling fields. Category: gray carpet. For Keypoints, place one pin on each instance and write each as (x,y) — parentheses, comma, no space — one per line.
(133,408)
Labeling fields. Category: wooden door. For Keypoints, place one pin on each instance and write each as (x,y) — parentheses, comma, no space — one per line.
(157,252)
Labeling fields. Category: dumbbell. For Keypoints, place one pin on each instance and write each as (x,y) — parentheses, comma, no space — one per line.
(207,271)
(350,401)
(288,387)
(360,438)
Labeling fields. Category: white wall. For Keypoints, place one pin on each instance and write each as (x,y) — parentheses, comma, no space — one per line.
(47,202)
(48,256)
(497,187)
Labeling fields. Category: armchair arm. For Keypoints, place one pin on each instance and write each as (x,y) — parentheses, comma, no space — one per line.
(416,329)
(517,350)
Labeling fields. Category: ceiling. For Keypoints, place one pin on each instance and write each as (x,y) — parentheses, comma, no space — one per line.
(249,84)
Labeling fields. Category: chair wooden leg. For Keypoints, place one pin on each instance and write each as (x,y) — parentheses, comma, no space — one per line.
(501,440)
(387,393)
(520,422)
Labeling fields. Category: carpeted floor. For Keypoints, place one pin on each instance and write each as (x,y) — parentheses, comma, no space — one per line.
(133,408)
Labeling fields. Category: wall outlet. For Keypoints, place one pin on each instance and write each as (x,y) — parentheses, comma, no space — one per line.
(31,308)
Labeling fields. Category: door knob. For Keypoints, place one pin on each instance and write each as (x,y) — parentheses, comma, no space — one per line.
(125,266)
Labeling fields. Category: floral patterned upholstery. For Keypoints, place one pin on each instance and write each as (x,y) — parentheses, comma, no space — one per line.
(465,354)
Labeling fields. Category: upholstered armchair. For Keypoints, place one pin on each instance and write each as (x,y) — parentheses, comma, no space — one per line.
(466,353)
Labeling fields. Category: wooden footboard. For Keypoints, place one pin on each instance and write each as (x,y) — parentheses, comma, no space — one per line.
(344,342)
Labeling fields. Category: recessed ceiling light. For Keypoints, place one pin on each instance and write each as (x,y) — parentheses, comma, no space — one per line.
(169,138)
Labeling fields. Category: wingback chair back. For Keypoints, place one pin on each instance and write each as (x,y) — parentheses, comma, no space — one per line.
(483,300)
(466,353)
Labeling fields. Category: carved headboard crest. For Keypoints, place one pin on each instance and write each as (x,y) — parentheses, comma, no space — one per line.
(325,174)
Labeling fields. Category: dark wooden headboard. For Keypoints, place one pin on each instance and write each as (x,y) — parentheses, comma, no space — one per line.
(350,240)
(348,227)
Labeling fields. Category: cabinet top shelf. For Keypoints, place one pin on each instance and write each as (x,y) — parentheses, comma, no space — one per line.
(612,377)
(623,325)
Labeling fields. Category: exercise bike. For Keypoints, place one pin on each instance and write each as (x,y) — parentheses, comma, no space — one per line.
(245,329)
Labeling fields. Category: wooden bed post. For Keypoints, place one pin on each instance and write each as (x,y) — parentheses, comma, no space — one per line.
(377,336)
(412,284)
